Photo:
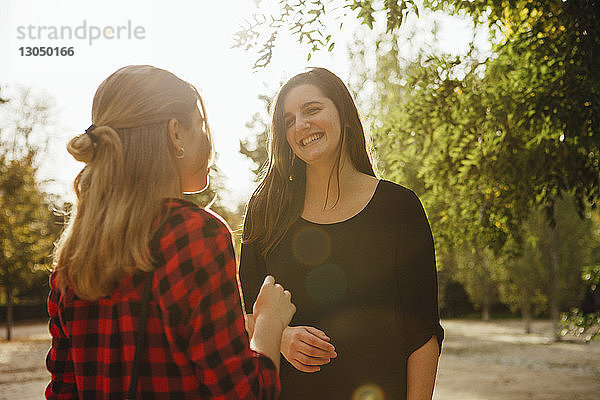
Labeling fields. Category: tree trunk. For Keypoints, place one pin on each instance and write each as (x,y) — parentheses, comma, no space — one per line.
(553,276)
(9,312)
(526,311)
(485,312)
(485,283)
(485,306)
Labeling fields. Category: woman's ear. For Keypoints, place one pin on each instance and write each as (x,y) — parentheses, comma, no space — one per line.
(175,133)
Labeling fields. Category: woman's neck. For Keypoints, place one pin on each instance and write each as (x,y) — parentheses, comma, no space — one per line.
(323,182)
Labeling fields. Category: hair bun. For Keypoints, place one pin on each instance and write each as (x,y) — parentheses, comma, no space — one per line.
(81,147)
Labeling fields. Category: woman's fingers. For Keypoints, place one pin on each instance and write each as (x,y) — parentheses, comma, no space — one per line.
(300,343)
(314,352)
(306,348)
(269,280)
(316,341)
(305,368)
(317,332)
(308,360)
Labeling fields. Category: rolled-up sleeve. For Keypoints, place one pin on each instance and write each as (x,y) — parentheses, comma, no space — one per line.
(417,278)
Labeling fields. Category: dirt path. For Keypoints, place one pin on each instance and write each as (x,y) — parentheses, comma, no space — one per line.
(23,374)
(497,360)
(480,361)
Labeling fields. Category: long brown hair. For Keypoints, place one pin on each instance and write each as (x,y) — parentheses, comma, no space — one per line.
(277,202)
(130,167)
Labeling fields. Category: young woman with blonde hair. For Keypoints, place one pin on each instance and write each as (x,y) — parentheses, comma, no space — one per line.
(356,251)
(144,299)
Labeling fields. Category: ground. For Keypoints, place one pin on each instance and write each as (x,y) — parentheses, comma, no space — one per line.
(480,361)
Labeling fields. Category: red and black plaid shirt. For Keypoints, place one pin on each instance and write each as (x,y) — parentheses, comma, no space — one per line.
(196,344)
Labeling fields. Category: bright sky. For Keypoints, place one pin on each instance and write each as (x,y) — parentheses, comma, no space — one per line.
(189,38)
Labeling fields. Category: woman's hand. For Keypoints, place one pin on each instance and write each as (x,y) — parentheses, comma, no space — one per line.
(274,303)
(306,348)
(272,311)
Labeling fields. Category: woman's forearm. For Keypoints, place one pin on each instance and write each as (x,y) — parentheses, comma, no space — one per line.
(266,338)
(421,371)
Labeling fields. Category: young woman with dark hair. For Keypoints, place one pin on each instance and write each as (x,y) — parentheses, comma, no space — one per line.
(356,251)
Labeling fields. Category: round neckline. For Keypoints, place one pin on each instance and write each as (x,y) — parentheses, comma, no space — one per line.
(362,210)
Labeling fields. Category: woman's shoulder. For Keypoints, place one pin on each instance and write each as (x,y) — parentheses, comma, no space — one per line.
(185,215)
(194,245)
(402,205)
(397,194)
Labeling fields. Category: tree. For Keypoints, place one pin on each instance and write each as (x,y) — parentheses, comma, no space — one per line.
(309,21)
(481,145)
(27,225)
(254,147)
(585,320)
(488,140)
(527,283)
(547,52)
(210,198)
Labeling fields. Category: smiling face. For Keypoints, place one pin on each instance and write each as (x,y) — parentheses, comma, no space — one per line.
(312,124)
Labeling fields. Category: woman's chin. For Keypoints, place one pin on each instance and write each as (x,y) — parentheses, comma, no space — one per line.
(317,158)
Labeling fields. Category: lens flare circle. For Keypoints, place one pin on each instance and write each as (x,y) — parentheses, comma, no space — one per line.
(326,283)
(369,391)
(311,246)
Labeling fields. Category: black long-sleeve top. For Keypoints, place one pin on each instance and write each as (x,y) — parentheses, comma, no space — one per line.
(368,282)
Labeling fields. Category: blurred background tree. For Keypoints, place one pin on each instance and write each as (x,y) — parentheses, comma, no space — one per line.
(31,219)
(491,141)
(254,147)
(211,198)
(27,223)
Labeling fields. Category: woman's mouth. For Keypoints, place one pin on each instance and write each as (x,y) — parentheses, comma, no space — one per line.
(310,139)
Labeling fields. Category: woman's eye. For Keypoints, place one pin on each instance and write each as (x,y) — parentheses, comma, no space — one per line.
(312,110)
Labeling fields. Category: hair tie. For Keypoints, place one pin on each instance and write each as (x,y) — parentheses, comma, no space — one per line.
(90,133)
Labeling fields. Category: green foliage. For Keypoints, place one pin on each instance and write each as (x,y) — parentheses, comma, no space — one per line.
(27,230)
(28,226)
(478,270)
(310,22)
(578,322)
(488,142)
(365,11)
(526,282)
(302,18)
(210,199)
(255,146)
(543,73)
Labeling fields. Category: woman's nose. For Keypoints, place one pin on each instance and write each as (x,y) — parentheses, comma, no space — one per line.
(301,122)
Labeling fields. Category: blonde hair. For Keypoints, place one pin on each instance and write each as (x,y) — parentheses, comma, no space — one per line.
(130,168)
